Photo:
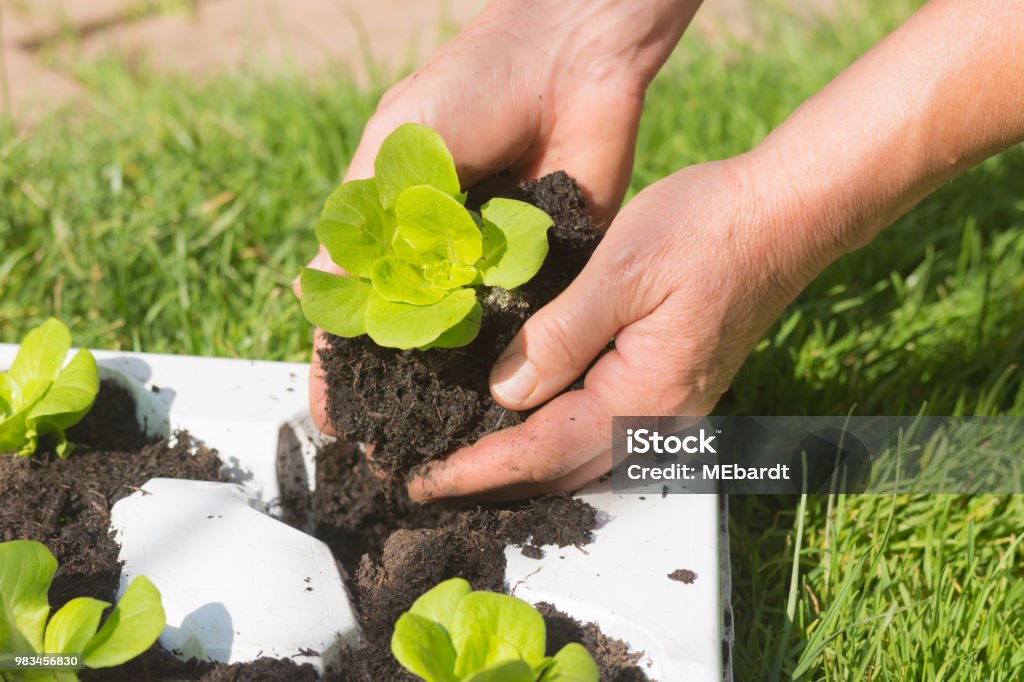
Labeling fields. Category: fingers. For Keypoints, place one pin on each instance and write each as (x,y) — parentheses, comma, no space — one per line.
(318,388)
(538,455)
(559,342)
(593,141)
(567,443)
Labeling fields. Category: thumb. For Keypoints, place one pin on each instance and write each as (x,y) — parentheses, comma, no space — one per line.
(559,342)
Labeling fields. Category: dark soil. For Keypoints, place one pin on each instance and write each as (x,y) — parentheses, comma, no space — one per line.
(394,550)
(416,406)
(262,670)
(683,575)
(355,511)
(65,504)
(614,659)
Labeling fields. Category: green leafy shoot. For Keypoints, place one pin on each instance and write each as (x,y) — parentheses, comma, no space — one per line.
(414,253)
(453,634)
(26,571)
(38,398)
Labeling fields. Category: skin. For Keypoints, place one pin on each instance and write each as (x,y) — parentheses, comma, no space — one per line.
(696,267)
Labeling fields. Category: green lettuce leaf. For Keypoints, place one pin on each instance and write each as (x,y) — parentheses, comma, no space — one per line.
(439,602)
(572,663)
(488,627)
(40,398)
(69,399)
(402,282)
(431,223)
(26,571)
(414,155)
(354,227)
(335,303)
(515,242)
(423,648)
(505,671)
(71,628)
(401,325)
(132,627)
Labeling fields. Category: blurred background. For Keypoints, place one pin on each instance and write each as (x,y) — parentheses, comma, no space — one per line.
(162,164)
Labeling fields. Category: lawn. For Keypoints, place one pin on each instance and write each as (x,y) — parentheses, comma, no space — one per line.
(170,216)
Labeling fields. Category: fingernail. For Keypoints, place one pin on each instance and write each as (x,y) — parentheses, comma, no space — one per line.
(514,379)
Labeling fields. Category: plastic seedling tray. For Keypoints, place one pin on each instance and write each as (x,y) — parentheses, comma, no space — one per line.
(247,409)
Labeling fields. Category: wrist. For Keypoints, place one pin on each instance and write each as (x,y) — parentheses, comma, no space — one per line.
(818,208)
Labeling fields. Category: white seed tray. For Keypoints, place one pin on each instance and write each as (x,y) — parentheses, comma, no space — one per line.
(618,581)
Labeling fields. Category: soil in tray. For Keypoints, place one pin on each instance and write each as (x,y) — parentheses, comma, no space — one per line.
(65,504)
(421,405)
(394,550)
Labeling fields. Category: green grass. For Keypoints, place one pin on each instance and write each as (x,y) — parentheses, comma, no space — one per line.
(171,216)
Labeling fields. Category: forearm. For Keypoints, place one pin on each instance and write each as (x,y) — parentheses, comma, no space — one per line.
(628,39)
(937,96)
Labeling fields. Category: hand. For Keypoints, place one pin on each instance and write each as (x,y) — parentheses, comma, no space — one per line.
(530,88)
(697,267)
(687,279)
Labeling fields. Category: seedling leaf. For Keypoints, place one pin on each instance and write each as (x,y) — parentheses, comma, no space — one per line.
(462,333)
(481,651)
(38,398)
(439,602)
(412,250)
(74,625)
(335,303)
(401,325)
(354,228)
(132,627)
(70,397)
(26,571)
(402,282)
(505,671)
(572,663)
(500,621)
(39,358)
(423,648)
(414,155)
(482,637)
(515,242)
(433,224)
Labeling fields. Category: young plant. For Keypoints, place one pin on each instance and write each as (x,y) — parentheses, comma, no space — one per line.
(26,571)
(38,398)
(414,253)
(452,634)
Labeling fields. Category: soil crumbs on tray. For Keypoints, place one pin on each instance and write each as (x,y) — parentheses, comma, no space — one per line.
(65,504)
(416,406)
(683,575)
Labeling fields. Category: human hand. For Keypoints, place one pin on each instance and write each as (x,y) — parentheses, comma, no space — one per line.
(529,88)
(697,267)
(688,277)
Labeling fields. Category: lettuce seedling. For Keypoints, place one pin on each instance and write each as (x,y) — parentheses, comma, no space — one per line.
(452,634)
(414,253)
(38,398)
(26,571)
